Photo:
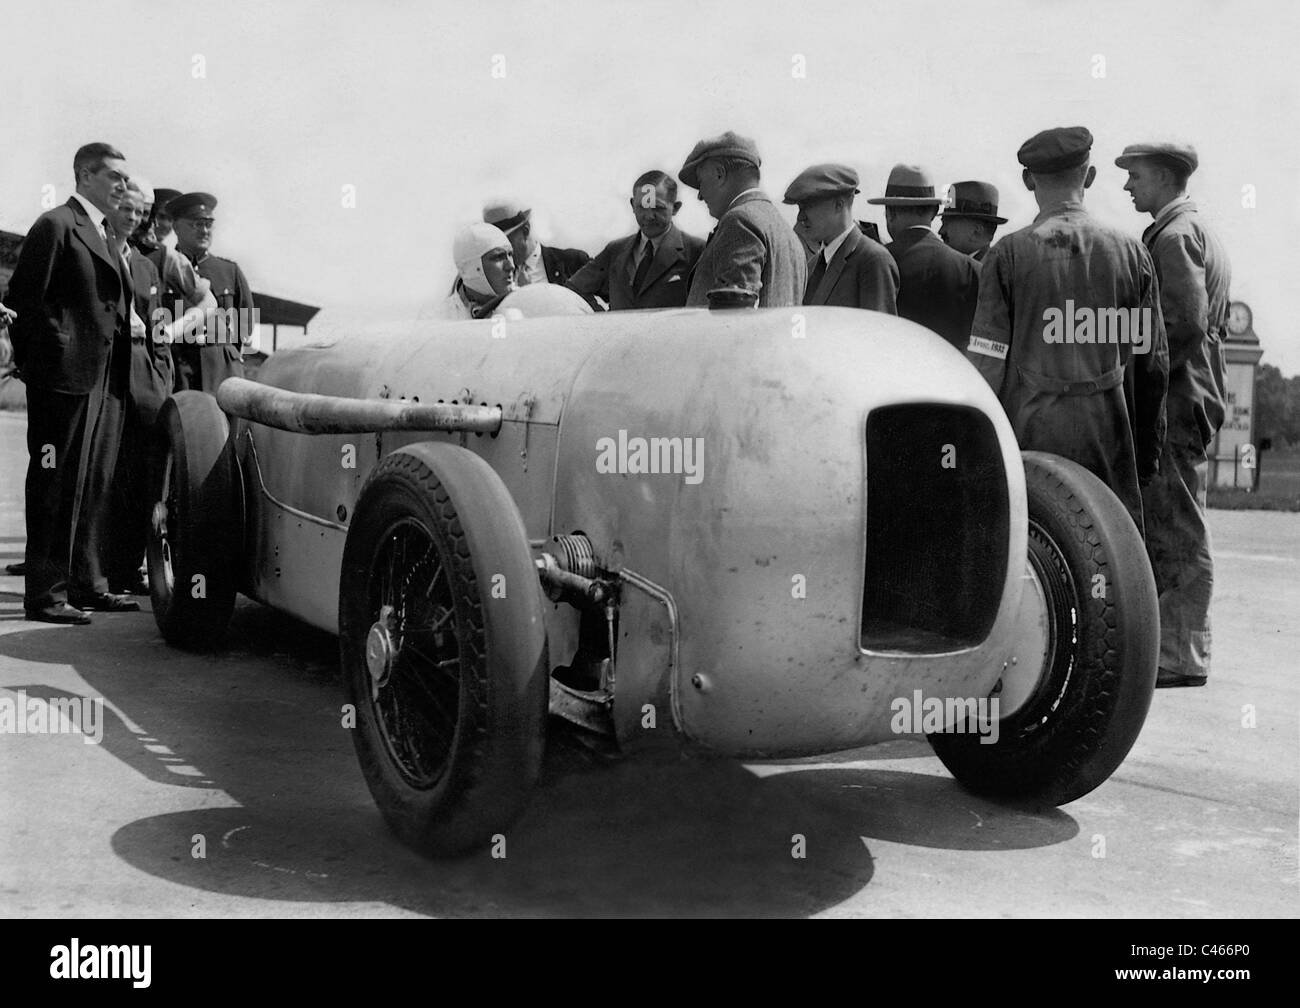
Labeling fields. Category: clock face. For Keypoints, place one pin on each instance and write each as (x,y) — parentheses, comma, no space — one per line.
(1239,318)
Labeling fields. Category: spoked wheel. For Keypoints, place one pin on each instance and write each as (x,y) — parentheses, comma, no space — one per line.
(1072,703)
(413,653)
(194,536)
(443,648)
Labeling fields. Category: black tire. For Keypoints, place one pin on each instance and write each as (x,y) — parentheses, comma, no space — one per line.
(1089,705)
(195,533)
(448,680)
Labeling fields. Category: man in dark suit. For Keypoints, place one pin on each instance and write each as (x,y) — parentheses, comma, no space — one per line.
(938,287)
(849,270)
(752,256)
(649,269)
(205,360)
(534,262)
(970,221)
(149,385)
(72,293)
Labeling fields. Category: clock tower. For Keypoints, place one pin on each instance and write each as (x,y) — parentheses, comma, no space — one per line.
(1232,452)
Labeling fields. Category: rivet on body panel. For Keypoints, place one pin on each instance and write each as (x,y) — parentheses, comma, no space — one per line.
(700,682)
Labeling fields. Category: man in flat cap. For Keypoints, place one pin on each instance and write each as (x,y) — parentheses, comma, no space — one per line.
(937,286)
(1194,275)
(206,359)
(651,268)
(752,248)
(534,262)
(1068,330)
(849,270)
(970,220)
(485,272)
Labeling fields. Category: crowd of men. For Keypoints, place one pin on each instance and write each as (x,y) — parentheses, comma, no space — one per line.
(1139,412)
(110,309)
(1137,407)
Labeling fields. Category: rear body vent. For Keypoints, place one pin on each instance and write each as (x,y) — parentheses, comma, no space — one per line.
(937,529)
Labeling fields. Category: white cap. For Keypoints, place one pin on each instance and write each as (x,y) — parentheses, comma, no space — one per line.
(471,244)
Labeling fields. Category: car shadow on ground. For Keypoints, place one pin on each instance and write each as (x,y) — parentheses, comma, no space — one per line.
(663,836)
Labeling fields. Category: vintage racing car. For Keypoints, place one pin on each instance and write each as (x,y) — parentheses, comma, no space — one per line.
(752,533)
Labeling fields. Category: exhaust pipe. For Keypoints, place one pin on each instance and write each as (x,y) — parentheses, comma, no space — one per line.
(307,413)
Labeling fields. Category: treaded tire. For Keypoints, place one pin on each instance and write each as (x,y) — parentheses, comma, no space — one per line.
(448,678)
(1078,725)
(196,483)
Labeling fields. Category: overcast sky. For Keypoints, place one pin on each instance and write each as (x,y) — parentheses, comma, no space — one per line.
(428,108)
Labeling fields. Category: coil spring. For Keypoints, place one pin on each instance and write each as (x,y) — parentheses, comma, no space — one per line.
(574,553)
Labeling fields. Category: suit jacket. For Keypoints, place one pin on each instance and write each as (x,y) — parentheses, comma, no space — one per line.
(610,274)
(938,287)
(861,274)
(560,264)
(70,292)
(1194,275)
(151,359)
(753,248)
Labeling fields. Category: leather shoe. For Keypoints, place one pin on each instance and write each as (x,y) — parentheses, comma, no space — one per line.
(59,612)
(1166,678)
(16,570)
(128,587)
(105,602)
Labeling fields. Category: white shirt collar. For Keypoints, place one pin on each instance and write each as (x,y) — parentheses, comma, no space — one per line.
(533,270)
(833,246)
(96,214)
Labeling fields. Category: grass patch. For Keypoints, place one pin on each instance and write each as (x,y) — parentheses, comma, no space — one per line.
(1245,500)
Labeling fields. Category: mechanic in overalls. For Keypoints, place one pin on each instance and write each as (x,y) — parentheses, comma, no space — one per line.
(1079,373)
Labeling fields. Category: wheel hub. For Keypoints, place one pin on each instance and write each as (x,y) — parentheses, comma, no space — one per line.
(381,648)
(1024,670)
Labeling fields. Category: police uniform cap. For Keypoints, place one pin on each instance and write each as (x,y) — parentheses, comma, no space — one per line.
(162,197)
(195,204)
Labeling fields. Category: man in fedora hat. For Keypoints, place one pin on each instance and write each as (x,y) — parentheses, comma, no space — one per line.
(752,248)
(1194,275)
(1097,401)
(534,262)
(847,269)
(968,222)
(937,286)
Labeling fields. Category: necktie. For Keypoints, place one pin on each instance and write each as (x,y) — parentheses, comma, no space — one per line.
(643,267)
(818,272)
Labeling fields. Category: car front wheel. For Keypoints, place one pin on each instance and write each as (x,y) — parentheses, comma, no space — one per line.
(1089,631)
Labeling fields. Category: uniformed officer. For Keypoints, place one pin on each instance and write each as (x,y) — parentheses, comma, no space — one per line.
(216,353)
(937,286)
(847,269)
(1068,330)
(1194,275)
(971,219)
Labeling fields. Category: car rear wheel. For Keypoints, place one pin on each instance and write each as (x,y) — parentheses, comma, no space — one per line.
(443,648)
(194,535)
(1089,636)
